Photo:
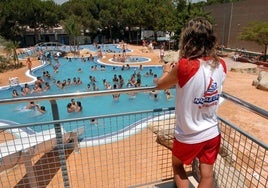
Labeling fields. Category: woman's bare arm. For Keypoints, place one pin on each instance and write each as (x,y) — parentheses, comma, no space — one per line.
(169,77)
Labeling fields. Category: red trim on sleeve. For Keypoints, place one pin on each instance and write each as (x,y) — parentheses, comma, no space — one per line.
(186,70)
(223,65)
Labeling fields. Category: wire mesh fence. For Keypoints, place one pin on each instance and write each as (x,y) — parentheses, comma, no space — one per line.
(118,150)
(124,158)
(242,161)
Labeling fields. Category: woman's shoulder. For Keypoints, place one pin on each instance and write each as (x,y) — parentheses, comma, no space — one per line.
(187,69)
(188,65)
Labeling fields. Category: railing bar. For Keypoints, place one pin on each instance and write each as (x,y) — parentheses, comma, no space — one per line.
(11,126)
(253,108)
(76,94)
(225,95)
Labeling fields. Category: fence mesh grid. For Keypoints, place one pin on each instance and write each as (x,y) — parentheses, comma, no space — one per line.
(126,158)
(62,155)
(242,161)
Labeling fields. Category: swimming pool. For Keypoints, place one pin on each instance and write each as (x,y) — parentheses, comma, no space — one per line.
(106,48)
(69,69)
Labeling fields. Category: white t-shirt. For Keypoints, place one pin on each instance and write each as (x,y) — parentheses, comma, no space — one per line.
(197,98)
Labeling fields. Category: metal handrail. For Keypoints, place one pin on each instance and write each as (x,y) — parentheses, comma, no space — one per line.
(253,108)
(76,94)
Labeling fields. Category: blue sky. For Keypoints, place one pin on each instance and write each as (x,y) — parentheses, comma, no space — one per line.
(60,1)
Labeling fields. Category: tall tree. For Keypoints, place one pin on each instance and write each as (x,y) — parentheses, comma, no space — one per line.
(157,15)
(11,48)
(9,25)
(256,32)
(110,16)
(186,11)
(37,15)
(72,27)
(87,13)
(132,18)
(17,16)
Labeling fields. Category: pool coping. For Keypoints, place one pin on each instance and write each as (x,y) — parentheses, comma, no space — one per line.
(132,129)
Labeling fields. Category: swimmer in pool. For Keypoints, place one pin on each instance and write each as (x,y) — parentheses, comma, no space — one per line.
(116,95)
(78,106)
(70,108)
(41,109)
(31,105)
(15,93)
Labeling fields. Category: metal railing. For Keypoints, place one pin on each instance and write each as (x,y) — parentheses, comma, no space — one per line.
(61,154)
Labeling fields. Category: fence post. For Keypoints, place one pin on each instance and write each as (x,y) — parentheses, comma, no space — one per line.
(60,145)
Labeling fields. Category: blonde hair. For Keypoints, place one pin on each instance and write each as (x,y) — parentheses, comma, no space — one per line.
(198,40)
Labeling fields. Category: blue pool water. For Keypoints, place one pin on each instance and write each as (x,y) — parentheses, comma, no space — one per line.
(109,48)
(106,48)
(92,106)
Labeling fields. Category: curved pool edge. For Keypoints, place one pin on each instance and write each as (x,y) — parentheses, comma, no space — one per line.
(28,74)
(44,63)
(128,131)
(17,132)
